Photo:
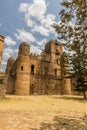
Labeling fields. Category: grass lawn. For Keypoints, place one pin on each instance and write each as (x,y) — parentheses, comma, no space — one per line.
(50,112)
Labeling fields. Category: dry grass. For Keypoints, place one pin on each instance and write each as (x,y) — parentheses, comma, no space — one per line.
(40,112)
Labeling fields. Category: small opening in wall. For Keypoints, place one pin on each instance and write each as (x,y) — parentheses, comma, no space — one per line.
(32,69)
(21,68)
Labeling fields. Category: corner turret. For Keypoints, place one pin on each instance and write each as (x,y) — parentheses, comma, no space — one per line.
(22,83)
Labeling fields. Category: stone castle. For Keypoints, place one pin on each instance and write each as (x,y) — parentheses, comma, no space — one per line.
(36,74)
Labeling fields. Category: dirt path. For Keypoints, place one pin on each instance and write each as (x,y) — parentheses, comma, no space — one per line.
(43,113)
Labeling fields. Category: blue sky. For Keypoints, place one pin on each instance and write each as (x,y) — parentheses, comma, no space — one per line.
(29,21)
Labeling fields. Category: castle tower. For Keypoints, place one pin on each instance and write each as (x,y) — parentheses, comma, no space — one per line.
(10,76)
(22,82)
(1,49)
(10,63)
(55,51)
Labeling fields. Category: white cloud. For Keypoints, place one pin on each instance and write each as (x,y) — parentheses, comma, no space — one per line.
(40,29)
(23,7)
(37,17)
(8,52)
(41,43)
(37,9)
(29,21)
(16,51)
(9,41)
(22,35)
(4,62)
(39,47)
(48,21)
(35,49)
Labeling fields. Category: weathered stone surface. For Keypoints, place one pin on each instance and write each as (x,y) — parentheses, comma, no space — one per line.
(37,74)
(3,82)
(2,90)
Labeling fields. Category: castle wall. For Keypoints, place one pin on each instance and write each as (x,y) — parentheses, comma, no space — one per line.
(44,80)
(10,84)
(3,82)
(38,74)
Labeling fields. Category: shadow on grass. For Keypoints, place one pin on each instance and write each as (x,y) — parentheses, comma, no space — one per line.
(64,123)
(74,98)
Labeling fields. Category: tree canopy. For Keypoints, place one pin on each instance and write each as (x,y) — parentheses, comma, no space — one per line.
(72,33)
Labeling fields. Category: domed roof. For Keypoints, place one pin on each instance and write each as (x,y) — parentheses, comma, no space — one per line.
(11,58)
(24,44)
(24,49)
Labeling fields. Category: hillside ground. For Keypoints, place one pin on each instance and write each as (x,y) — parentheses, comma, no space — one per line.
(36,112)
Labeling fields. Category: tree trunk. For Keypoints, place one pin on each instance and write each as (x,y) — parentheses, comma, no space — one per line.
(84,94)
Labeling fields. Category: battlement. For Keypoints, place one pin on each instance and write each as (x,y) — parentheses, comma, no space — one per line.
(34,56)
(53,41)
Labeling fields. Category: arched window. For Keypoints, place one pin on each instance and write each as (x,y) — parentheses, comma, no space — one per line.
(21,68)
(32,69)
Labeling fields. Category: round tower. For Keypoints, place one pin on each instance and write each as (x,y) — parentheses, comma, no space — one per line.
(1,48)
(22,83)
(10,62)
(10,76)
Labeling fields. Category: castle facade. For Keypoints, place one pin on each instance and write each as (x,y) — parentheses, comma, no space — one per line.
(37,74)
(34,74)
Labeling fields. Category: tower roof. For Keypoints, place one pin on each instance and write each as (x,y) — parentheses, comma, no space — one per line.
(24,44)
(11,58)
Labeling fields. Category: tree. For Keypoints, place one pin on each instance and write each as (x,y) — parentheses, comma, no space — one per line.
(72,32)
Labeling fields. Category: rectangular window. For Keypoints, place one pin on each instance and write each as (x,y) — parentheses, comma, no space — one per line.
(21,68)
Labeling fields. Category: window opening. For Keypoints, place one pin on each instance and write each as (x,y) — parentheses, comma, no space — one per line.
(32,70)
(21,68)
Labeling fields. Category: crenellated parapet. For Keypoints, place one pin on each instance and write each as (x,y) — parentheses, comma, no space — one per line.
(34,56)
